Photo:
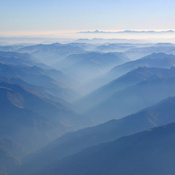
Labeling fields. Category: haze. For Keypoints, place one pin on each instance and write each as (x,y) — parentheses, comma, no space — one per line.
(62,18)
(87,87)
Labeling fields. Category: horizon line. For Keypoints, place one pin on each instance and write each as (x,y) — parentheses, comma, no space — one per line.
(130,31)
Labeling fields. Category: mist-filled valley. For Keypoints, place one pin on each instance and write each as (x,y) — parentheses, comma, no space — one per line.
(84,108)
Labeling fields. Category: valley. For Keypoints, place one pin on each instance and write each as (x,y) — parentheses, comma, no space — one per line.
(83,108)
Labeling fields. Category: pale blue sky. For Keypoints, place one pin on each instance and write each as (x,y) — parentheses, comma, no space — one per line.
(78,15)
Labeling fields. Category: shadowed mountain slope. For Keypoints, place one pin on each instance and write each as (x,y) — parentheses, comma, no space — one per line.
(10,155)
(33,121)
(150,152)
(73,142)
(22,125)
(53,111)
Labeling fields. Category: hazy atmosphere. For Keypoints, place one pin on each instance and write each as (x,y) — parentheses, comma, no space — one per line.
(87,87)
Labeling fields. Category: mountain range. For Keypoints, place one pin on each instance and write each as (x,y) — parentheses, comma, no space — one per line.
(79,108)
(159,60)
(129,79)
(83,67)
(23,113)
(128,31)
(149,152)
(52,80)
(159,114)
(133,98)
(51,53)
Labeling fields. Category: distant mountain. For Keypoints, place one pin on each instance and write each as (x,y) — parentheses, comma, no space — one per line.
(133,99)
(16,58)
(136,51)
(51,53)
(129,79)
(139,52)
(83,67)
(128,31)
(160,114)
(24,59)
(116,47)
(102,58)
(150,152)
(36,90)
(51,79)
(159,60)
(103,41)
(10,48)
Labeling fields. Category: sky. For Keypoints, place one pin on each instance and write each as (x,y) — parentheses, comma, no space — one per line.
(48,17)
